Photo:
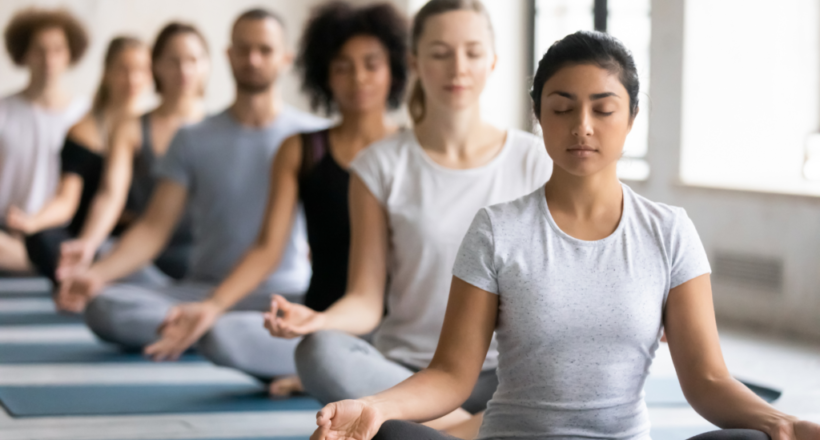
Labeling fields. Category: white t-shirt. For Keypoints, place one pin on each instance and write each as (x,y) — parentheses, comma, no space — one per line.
(579,321)
(429,209)
(30,142)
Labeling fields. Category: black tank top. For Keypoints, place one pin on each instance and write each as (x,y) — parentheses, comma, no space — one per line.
(323,188)
(143,183)
(79,160)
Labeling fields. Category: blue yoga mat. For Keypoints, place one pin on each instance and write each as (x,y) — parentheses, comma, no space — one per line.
(75,400)
(74,353)
(24,295)
(44,318)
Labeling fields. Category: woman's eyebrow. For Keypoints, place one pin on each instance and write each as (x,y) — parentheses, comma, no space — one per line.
(596,96)
(593,97)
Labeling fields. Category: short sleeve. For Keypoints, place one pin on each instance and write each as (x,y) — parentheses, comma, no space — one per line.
(71,159)
(475,260)
(370,166)
(175,165)
(687,255)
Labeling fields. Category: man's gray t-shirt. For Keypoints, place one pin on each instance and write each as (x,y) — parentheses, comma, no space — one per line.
(226,169)
(578,321)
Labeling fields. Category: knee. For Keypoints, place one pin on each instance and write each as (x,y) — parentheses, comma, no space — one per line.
(237,340)
(323,364)
(403,430)
(216,346)
(314,352)
(99,317)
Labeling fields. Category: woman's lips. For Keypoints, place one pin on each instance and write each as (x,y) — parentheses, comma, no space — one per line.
(581,151)
(455,88)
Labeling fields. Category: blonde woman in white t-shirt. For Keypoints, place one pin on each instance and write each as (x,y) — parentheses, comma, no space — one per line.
(412,197)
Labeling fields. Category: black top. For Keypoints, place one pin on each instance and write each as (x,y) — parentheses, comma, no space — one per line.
(323,188)
(79,160)
(143,182)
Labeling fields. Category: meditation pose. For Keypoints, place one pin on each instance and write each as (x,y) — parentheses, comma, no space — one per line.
(126,76)
(412,196)
(577,279)
(352,62)
(221,168)
(34,121)
(180,65)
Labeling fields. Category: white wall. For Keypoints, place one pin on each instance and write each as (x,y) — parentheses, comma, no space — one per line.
(777,226)
(144,18)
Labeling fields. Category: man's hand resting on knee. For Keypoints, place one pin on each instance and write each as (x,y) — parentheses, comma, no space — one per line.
(183,326)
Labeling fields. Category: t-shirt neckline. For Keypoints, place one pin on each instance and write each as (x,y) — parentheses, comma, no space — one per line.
(285,111)
(627,206)
(419,150)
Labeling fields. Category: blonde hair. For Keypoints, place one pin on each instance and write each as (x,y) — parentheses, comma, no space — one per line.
(416,103)
(115,48)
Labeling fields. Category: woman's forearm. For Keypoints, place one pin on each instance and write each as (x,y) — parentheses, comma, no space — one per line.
(355,313)
(61,208)
(727,403)
(102,217)
(251,271)
(427,395)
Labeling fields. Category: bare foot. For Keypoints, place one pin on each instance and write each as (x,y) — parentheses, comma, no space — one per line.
(285,386)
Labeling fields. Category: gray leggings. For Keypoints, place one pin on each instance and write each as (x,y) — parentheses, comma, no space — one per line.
(336,366)
(129,315)
(401,430)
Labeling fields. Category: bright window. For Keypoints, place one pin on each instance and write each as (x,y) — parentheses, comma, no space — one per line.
(751,95)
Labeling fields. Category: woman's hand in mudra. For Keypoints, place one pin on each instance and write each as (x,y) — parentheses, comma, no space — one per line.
(347,420)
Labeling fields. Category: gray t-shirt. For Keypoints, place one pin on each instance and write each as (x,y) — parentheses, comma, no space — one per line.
(226,169)
(578,321)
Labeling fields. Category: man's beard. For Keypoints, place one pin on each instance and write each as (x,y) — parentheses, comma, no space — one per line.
(253,85)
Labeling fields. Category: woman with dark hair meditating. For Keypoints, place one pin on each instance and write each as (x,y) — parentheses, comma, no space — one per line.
(577,279)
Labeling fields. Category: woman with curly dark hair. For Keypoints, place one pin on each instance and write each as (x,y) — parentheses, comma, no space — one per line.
(353,63)
(34,121)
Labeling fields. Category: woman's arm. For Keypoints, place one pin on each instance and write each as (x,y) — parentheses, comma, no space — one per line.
(108,203)
(360,310)
(435,391)
(138,246)
(692,334)
(110,199)
(186,323)
(56,212)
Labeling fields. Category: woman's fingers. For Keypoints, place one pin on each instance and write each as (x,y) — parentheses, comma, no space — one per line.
(321,432)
